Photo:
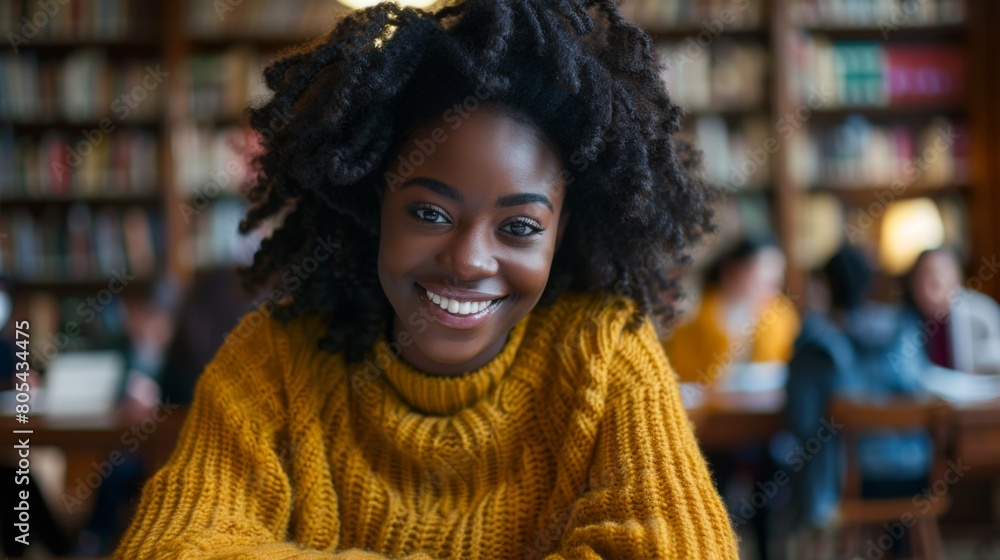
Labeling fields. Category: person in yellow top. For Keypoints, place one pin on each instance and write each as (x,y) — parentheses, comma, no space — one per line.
(458,357)
(742,316)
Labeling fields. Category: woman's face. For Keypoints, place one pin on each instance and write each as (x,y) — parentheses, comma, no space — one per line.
(934,282)
(758,279)
(472,212)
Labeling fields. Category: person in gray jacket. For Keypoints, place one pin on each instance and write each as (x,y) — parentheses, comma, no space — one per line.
(962,326)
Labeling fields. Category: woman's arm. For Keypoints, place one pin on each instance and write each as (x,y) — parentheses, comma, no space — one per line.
(224,493)
(650,492)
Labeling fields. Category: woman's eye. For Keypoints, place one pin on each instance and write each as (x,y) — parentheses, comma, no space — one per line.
(430,215)
(521,229)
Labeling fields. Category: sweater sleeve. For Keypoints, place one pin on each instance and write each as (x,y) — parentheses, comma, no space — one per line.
(650,494)
(224,493)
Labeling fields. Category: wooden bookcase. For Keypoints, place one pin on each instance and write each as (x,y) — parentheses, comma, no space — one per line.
(114,33)
(789,196)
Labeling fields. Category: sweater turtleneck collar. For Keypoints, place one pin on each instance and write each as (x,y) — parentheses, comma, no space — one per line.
(447,394)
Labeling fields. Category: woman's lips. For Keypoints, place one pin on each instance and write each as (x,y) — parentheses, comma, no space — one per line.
(453,320)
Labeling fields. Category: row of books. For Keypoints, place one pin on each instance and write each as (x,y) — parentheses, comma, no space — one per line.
(862,73)
(860,154)
(82,86)
(709,14)
(735,155)
(85,244)
(728,74)
(884,14)
(212,160)
(80,243)
(55,164)
(222,84)
(262,18)
(854,154)
(26,22)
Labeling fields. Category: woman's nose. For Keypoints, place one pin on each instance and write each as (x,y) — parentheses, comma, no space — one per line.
(469,255)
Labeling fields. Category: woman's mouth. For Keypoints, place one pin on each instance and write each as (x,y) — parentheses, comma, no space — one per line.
(458,314)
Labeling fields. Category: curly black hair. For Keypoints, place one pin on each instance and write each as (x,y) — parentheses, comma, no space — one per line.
(581,73)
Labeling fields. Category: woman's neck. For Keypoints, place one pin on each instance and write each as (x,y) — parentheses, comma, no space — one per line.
(412,354)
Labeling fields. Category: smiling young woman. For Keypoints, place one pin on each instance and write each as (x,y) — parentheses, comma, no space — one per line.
(476,225)
(473,371)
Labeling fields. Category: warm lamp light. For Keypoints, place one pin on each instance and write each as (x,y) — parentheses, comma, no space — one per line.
(355,4)
(819,235)
(909,227)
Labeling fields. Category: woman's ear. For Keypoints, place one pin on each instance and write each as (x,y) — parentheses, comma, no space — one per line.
(563,219)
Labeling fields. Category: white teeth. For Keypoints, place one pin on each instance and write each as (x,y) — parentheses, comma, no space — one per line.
(457,307)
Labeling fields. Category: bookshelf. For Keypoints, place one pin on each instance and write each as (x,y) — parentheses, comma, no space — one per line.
(121,145)
(160,176)
(81,138)
(220,58)
(892,125)
(866,102)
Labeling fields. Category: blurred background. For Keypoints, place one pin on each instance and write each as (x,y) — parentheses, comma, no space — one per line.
(840,348)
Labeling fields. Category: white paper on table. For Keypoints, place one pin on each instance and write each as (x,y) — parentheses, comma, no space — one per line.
(754,377)
(958,386)
(83,383)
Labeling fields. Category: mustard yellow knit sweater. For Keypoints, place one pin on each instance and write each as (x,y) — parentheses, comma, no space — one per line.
(571,443)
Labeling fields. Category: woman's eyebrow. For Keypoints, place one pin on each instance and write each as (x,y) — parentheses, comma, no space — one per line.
(442,189)
(452,193)
(524,198)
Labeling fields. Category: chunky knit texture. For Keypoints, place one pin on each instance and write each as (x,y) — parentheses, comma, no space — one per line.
(571,443)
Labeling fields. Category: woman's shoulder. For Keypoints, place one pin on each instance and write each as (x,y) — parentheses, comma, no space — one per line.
(594,307)
(577,314)
(270,328)
(584,329)
(264,340)
(265,360)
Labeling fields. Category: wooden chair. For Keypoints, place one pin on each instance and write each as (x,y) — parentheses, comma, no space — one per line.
(857,511)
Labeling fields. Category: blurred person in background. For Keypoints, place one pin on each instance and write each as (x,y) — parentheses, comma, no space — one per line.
(149,324)
(962,325)
(167,351)
(45,529)
(168,346)
(856,349)
(742,317)
(211,308)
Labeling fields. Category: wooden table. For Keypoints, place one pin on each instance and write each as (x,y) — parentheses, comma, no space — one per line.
(722,421)
(975,436)
(104,439)
(101,434)
(725,421)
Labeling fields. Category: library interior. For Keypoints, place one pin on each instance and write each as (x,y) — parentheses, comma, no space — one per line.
(837,341)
